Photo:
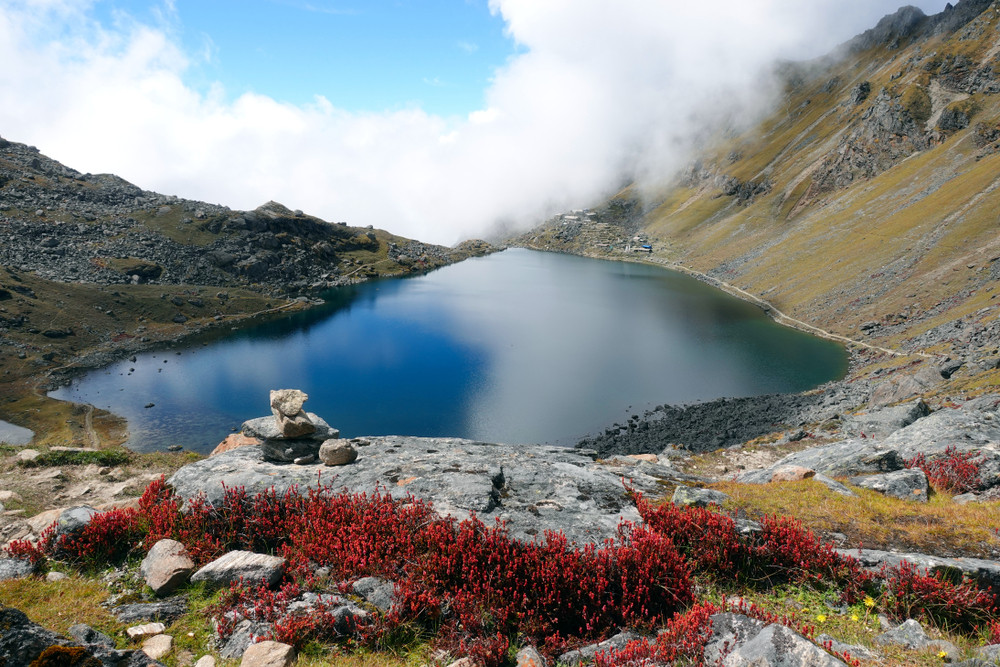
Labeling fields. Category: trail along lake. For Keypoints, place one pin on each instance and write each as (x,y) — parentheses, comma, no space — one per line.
(516,347)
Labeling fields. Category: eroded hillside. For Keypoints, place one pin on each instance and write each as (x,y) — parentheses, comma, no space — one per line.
(866,204)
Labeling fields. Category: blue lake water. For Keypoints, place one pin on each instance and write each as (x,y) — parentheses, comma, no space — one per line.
(516,347)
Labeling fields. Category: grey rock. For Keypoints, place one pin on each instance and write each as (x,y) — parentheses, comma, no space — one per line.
(690,496)
(834,485)
(15,568)
(948,368)
(22,642)
(990,653)
(904,484)
(165,611)
(587,653)
(966,498)
(379,593)
(838,459)
(289,417)
(337,452)
(776,646)
(265,428)
(910,634)
(56,576)
(166,566)
(532,488)
(904,387)
(729,631)
(71,521)
(880,422)
(246,565)
(88,636)
(243,635)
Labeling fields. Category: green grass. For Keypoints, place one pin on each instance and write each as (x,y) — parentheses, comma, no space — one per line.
(101,457)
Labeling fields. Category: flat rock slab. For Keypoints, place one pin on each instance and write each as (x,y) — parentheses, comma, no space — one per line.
(532,488)
(247,565)
(903,484)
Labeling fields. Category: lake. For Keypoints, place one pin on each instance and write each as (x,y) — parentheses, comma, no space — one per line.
(516,347)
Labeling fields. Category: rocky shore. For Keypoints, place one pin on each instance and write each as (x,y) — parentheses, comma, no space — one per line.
(531,490)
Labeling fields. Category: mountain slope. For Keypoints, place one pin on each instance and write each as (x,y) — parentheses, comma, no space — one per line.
(92,266)
(868,199)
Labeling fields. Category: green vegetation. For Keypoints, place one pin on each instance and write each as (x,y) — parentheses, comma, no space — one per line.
(101,457)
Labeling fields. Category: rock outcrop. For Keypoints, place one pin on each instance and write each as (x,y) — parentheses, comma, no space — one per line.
(533,488)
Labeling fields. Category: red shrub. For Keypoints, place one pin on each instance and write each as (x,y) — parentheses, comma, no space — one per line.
(682,641)
(993,632)
(911,593)
(782,551)
(952,472)
(34,552)
(547,590)
(107,538)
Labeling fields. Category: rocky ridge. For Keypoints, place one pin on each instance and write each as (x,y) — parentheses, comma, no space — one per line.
(66,226)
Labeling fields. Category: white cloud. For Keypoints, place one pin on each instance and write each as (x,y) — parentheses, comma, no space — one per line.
(601,90)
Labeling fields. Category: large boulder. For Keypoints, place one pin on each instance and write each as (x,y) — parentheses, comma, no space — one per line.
(777,645)
(910,484)
(166,566)
(881,422)
(246,565)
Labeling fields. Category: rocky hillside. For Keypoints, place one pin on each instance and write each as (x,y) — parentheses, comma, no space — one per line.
(865,205)
(92,265)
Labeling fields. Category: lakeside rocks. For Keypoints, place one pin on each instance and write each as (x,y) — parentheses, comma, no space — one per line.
(972,428)
(533,488)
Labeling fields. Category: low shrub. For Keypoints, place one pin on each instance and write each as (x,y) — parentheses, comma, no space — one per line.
(101,457)
(952,472)
(481,592)
(682,641)
(913,593)
(782,551)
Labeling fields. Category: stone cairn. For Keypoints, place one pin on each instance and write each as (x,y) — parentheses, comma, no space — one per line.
(292,435)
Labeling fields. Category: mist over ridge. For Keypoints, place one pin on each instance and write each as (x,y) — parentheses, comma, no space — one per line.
(599,94)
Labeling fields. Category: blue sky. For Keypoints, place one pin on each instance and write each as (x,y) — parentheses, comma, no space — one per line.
(434,119)
(361,55)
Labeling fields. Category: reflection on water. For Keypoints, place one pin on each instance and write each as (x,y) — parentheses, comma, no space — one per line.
(517,347)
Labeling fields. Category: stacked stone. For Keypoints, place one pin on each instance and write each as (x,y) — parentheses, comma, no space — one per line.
(293,435)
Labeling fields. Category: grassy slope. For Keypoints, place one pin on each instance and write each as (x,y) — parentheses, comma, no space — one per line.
(913,235)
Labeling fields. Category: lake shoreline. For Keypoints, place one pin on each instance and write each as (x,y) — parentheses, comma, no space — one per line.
(485,328)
